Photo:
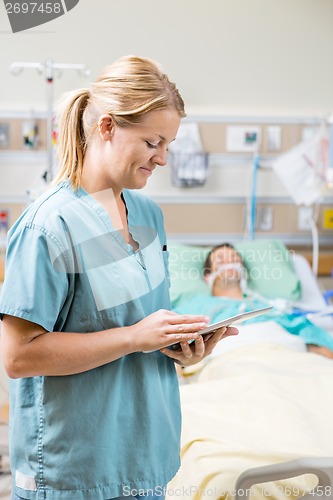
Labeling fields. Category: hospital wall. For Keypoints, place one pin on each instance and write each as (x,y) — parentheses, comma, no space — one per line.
(247,59)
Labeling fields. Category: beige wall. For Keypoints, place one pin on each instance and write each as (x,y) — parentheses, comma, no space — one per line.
(215,221)
(227,56)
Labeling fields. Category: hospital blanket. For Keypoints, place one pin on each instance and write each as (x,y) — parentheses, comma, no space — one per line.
(219,308)
(259,404)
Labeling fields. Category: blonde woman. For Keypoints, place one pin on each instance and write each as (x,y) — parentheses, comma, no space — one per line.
(94,407)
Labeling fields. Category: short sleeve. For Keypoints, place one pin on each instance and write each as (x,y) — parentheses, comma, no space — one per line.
(34,289)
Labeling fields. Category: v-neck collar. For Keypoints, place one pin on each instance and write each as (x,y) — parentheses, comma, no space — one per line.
(89,200)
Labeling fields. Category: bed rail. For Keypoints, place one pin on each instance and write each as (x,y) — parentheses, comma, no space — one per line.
(322,467)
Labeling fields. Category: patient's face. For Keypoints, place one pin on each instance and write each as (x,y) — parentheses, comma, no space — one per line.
(222,256)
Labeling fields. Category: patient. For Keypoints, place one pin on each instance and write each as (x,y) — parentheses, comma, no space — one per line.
(225,273)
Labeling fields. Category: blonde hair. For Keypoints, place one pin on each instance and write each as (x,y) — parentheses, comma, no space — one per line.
(127,90)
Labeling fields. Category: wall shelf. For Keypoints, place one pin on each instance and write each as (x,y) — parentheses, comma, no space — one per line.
(22,157)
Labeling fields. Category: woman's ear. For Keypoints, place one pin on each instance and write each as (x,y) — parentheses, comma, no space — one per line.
(105,127)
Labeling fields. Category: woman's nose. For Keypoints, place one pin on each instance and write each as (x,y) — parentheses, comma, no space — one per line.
(160,158)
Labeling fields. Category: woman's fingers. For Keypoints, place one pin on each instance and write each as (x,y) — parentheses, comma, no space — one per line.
(164,328)
(187,327)
(192,352)
(231,330)
(183,328)
(186,349)
(186,319)
(222,333)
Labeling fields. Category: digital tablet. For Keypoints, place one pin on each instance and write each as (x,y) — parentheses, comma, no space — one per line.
(233,320)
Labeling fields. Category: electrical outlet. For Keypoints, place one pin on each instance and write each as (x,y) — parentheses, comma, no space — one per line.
(264,218)
(273,139)
(304,218)
(4,135)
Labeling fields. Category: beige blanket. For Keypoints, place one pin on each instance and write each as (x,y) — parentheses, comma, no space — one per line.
(255,405)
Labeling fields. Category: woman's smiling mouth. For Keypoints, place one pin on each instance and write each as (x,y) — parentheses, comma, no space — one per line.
(148,171)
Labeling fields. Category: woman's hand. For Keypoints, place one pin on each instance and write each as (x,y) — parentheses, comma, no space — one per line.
(191,354)
(164,328)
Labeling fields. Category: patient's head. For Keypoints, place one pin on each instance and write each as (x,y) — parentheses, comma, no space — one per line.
(224,271)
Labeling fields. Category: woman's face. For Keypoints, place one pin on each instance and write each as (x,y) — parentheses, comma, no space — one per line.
(131,153)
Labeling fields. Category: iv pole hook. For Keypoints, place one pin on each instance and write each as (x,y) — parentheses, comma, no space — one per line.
(48,68)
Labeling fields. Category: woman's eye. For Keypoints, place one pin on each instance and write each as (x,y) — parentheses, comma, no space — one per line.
(150,145)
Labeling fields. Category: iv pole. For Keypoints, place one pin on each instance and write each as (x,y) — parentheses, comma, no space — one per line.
(50,70)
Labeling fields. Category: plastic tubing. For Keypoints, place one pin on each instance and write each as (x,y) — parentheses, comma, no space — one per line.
(254,196)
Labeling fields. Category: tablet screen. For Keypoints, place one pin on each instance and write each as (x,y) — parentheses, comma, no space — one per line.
(233,320)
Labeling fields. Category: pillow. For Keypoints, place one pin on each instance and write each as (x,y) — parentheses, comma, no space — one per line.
(185,268)
(270,269)
(269,265)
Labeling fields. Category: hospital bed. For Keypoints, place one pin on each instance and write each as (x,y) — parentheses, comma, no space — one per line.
(259,413)
(236,422)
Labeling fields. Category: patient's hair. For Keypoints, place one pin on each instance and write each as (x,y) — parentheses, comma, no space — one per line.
(207,268)
(127,90)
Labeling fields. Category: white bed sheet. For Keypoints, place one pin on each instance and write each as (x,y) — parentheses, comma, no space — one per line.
(259,404)
(312,296)
(311,293)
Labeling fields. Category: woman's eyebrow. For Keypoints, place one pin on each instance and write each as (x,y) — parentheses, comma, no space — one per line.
(164,138)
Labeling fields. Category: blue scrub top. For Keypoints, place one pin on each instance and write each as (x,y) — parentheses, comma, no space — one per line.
(90,435)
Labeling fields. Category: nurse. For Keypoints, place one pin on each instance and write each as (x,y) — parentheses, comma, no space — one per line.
(94,406)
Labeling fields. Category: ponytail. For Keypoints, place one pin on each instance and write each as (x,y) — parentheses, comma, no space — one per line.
(71,136)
